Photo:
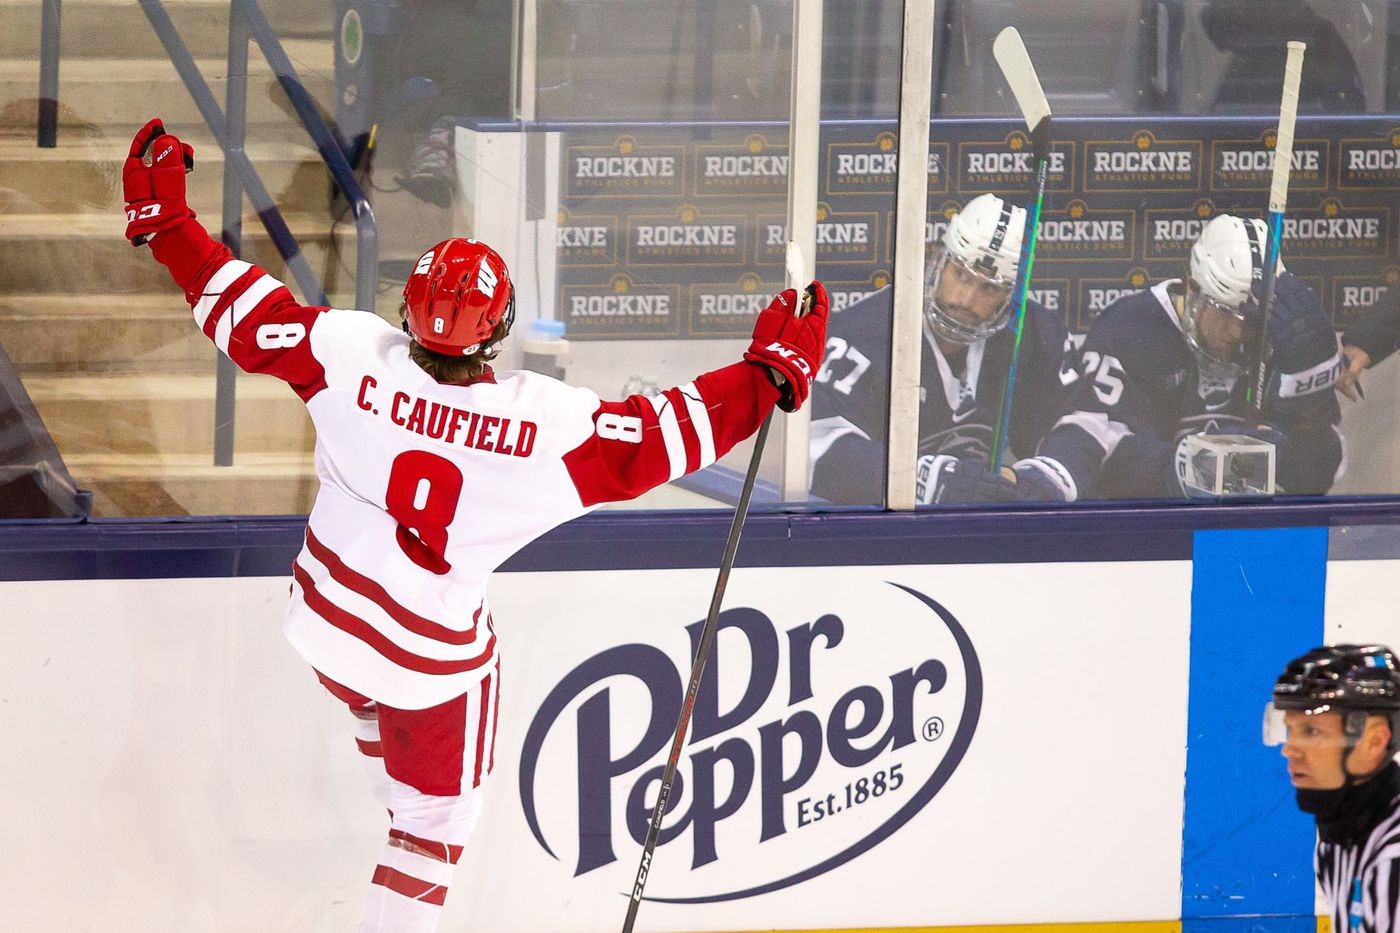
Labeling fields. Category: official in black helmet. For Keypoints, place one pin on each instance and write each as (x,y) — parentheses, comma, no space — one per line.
(1336,712)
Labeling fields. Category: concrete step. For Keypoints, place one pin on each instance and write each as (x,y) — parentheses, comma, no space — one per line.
(122,94)
(99,333)
(140,413)
(64,254)
(83,173)
(188,484)
(114,29)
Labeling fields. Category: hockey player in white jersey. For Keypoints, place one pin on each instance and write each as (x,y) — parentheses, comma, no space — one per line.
(433,470)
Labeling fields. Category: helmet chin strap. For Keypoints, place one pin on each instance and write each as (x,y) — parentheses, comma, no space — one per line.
(1353,779)
(1353,737)
(1333,808)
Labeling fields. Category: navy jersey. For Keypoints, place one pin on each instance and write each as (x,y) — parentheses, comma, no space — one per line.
(1141,392)
(960,398)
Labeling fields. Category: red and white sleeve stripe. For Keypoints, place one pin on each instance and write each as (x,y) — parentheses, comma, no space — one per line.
(248,314)
(640,443)
(253,318)
(686,432)
(246,295)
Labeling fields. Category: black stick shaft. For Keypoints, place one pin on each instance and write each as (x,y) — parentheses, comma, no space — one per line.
(702,654)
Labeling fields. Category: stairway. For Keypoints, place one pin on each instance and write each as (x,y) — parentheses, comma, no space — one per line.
(102,339)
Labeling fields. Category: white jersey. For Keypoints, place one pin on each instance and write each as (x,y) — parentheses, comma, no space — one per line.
(426,488)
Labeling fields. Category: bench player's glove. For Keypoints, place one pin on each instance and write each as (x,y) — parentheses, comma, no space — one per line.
(1304,363)
(945,479)
(153,182)
(789,345)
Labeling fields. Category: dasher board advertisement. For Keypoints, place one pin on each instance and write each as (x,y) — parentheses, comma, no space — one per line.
(871,747)
(1037,741)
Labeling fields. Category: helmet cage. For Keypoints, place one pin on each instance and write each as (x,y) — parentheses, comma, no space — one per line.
(1229,358)
(943,322)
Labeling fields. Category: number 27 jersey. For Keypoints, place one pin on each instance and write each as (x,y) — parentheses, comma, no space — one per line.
(425,487)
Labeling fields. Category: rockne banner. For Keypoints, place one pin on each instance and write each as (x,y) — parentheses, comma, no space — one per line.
(670,231)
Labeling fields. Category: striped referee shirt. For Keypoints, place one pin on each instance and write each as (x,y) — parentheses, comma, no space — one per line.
(1362,880)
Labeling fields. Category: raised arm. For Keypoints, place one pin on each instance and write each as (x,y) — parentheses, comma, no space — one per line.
(247,313)
(640,443)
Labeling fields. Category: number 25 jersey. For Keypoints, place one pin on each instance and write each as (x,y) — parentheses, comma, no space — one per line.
(425,487)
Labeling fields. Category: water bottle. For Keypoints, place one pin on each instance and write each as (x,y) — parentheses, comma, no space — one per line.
(543,347)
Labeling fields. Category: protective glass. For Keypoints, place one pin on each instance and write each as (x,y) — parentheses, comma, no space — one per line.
(963,304)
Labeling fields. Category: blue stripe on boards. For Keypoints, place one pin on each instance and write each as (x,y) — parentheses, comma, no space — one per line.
(1256,602)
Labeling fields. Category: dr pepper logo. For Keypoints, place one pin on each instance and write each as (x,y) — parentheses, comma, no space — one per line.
(812,740)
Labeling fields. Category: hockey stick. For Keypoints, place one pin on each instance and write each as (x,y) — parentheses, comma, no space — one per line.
(796,274)
(1016,68)
(1278,202)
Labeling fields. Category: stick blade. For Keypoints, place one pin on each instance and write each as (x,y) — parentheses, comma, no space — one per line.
(1015,64)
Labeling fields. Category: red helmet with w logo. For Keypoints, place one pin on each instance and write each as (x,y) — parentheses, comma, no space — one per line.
(457,295)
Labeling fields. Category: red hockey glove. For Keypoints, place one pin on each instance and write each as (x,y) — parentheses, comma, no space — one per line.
(153,182)
(789,345)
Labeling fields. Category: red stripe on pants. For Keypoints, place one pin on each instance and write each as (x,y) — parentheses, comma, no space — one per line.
(426,748)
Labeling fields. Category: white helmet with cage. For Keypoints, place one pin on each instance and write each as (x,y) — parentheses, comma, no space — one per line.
(1227,260)
(982,246)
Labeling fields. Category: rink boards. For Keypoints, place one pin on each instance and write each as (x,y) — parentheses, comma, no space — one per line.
(908,722)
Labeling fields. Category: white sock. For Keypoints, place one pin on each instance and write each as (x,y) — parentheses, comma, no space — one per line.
(410,885)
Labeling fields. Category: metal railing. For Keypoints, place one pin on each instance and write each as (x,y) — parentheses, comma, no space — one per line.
(229,124)
(49,32)
(246,19)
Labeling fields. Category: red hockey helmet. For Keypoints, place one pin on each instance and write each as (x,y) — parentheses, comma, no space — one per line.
(458,294)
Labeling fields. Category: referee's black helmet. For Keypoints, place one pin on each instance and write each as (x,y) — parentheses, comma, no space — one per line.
(1343,679)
